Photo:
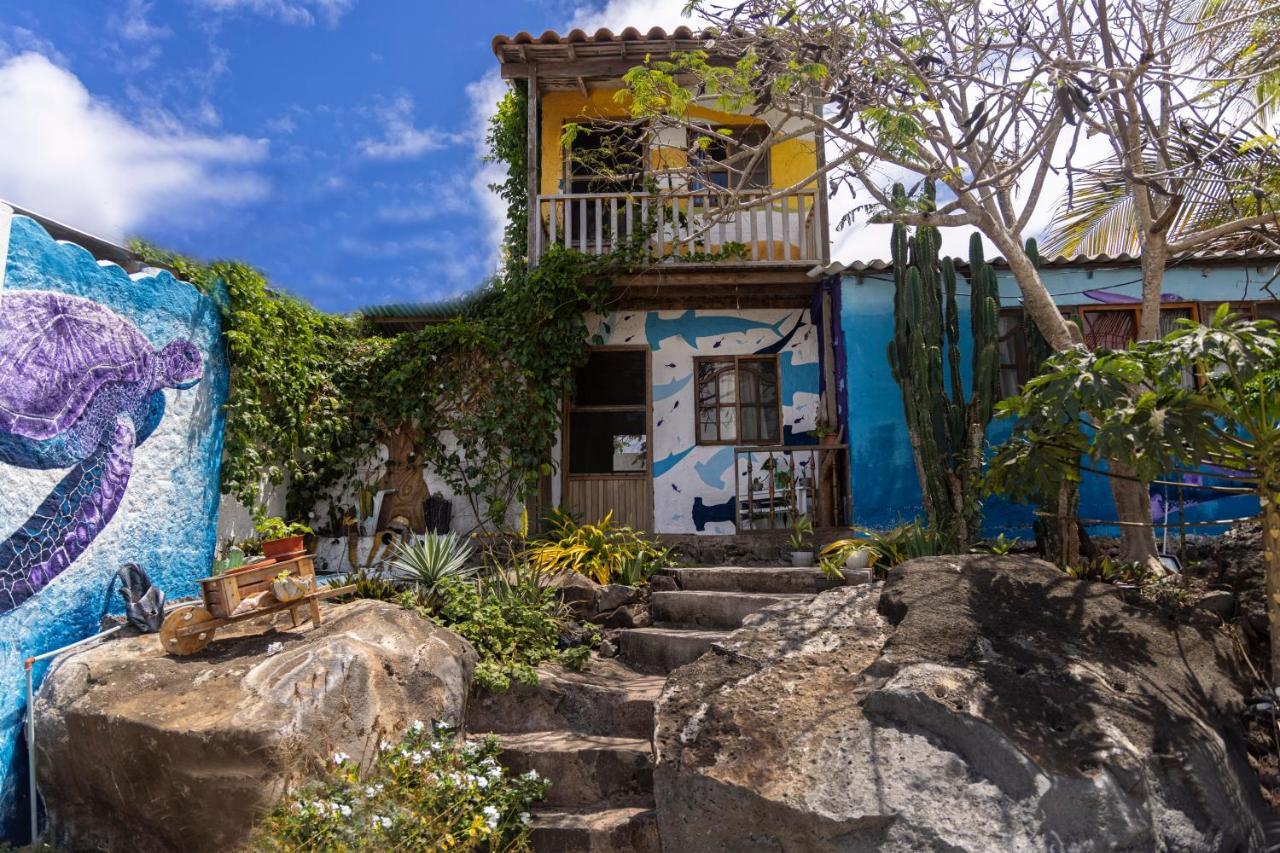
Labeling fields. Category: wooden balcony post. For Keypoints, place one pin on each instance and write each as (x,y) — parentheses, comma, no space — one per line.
(531,157)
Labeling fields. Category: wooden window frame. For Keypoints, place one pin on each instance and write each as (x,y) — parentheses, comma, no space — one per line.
(1257,303)
(693,133)
(1021,364)
(647,407)
(737,402)
(567,160)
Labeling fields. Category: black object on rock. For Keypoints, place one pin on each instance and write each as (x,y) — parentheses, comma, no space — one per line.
(143,602)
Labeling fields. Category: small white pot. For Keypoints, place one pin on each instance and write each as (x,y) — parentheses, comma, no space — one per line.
(858,560)
(290,589)
(801,559)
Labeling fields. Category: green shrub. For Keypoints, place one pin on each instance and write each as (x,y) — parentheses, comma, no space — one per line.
(273,528)
(427,792)
(513,622)
(605,552)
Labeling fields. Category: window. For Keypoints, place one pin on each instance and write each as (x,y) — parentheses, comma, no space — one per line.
(1109,328)
(605,160)
(1013,352)
(737,400)
(1266,311)
(608,422)
(745,173)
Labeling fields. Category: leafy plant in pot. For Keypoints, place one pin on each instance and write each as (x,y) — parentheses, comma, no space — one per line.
(801,541)
(280,538)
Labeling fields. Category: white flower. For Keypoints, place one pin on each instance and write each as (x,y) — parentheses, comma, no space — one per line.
(481,782)
(370,792)
(417,757)
(525,818)
(345,809)
(385,745)
(491,816)
(531,776)
(381,821)
(341,758)
(416,727)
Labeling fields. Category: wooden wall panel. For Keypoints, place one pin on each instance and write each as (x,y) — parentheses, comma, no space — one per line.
(628,497)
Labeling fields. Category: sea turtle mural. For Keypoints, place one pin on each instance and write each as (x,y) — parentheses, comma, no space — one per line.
(80,387)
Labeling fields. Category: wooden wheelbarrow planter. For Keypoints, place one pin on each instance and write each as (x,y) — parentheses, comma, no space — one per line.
(189,629)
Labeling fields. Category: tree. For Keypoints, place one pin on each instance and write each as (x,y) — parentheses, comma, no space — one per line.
(989,99)
(1085,405)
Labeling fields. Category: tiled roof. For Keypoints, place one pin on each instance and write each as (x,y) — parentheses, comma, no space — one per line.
(600,36)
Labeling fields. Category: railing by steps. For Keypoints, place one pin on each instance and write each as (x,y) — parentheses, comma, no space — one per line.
(777,483)
(688,226)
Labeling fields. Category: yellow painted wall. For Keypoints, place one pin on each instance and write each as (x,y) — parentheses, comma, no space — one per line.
(789,162)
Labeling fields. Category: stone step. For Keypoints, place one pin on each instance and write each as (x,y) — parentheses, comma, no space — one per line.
(602,829)
(604,698)
(584,769)
(713,609)
(665,649)
(760,579)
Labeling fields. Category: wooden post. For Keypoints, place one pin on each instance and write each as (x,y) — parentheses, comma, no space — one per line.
(1271,561)
(531,157)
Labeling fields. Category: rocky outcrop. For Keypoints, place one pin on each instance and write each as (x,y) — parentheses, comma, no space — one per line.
(969,703)
(141,751)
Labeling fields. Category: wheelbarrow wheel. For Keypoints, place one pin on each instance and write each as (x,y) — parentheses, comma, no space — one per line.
(183,619)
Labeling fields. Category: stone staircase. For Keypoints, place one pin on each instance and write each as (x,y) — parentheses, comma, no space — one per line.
(590,732)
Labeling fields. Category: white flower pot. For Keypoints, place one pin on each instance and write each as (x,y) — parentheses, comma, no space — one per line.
(858,559)
(801,559)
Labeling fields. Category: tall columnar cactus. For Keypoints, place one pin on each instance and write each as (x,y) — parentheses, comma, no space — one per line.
(947,427)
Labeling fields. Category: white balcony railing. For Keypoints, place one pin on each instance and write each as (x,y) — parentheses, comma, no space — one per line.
(688,226)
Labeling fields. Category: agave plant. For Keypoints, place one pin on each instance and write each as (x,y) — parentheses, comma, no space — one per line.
(432,559)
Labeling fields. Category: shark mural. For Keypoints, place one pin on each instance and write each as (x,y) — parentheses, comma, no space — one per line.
(694,484)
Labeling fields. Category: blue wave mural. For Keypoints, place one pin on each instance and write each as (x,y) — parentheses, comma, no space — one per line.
(110,449)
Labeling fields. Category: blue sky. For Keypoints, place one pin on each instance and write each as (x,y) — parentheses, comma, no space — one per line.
(333,143)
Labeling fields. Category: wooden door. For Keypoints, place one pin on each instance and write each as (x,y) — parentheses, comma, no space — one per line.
(607,461)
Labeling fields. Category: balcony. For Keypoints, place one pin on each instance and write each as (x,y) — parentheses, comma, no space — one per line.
(688,227)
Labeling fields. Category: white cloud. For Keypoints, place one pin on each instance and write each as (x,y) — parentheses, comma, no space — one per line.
(75,158)
(401,140)
(641,14)
(484,95)
(299,12)
(131,23)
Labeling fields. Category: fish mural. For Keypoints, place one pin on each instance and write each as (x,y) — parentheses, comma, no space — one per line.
(689,327)
(80,387)
(703,514)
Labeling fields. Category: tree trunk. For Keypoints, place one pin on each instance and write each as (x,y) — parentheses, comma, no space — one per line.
(1036,300)
(1271,554)
(1133,504)
(403,475)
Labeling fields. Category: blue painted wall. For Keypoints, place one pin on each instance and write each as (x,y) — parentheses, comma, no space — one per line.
(885,487)
(167,520)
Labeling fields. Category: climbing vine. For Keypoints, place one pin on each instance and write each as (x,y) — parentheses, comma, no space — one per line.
(312,394)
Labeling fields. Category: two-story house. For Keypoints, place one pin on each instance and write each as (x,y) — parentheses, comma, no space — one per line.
(702,410)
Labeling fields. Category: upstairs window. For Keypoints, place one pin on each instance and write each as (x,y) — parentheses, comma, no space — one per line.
(605,160)
(737,400)
(728,160)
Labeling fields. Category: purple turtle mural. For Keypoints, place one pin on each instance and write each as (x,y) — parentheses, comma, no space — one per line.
(80,388)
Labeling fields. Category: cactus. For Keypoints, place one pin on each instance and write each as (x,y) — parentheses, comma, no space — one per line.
(946,426)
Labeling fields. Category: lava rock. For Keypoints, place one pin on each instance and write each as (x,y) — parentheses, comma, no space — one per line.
(969,703)
(142,751)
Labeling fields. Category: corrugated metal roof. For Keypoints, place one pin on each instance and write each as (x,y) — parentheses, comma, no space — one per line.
(407,316)
(1101,260)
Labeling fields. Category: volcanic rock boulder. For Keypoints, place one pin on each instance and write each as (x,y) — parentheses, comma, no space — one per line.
(141,751)
(971,703)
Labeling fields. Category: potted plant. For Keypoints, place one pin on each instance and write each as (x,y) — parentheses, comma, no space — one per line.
(287,587)
(801,541)
(827,435)
(855,555)
(281,538)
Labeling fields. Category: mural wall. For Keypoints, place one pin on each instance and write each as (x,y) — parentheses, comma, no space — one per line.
(111,388)
(693,490)
(884,485)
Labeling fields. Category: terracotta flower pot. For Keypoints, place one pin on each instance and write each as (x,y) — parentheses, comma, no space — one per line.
(277,548)
(831,439)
